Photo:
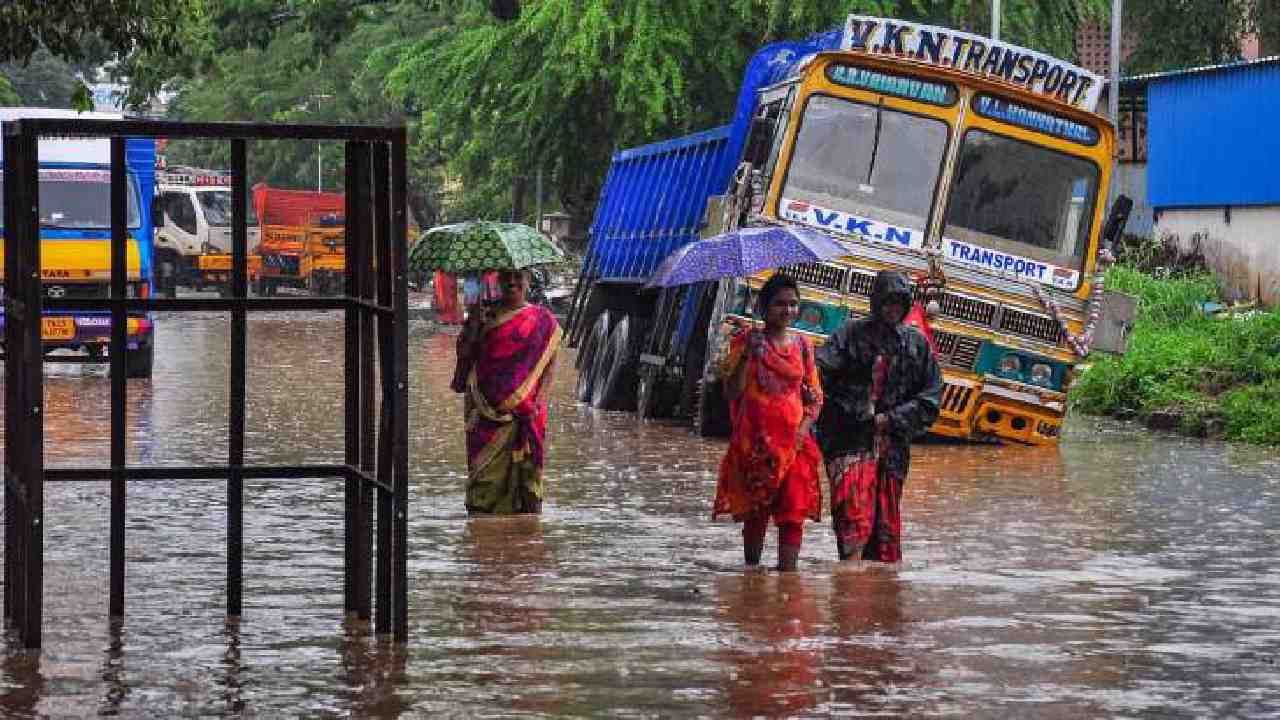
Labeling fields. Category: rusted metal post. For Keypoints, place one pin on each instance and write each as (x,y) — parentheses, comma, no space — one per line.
(368,424)
(235,445)
(12,382)
(400,411)
(351,385)
(385,612)
(119,350)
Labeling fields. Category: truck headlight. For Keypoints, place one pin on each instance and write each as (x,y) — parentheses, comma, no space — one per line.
(1010,365)
(1041,374)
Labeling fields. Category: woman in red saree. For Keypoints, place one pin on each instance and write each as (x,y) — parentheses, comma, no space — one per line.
(771,467)
(506,354)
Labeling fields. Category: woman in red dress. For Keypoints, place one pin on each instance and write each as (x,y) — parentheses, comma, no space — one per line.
(771,467)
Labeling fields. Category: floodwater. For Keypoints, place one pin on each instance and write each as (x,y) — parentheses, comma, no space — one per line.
(1123,574)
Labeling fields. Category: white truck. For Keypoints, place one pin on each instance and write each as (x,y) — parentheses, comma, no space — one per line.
(192,216)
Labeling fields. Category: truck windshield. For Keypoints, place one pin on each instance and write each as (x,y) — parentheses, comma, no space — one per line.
(79,200)
(867,160)
(1024,199)
(217,207)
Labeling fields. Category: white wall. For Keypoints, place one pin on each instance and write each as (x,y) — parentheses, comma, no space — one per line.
(1131,180)
(1244,252)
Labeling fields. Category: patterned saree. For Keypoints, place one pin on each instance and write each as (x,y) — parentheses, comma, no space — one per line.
(506,411)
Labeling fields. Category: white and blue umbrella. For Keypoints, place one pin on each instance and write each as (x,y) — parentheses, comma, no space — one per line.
(744,252)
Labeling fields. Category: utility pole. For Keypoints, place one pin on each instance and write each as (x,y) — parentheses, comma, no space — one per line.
(1113,97)
(995,20)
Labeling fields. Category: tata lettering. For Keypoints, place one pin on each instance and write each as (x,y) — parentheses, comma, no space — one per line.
(976,55)
(907,87)
(849,224)
(1004,263)
(1031,119)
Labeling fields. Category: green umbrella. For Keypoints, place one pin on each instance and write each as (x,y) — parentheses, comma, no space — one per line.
(479,245)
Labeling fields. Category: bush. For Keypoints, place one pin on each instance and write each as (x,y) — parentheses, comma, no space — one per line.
(1211,375)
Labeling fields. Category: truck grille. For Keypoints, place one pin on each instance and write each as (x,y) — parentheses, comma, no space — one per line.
(1040,327)
(822,275)
(967,308)
(945,341)
(860,283)
(75,291)
(955,398)
(965,354)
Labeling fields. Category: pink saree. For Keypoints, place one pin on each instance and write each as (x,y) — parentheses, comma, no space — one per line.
(506,410)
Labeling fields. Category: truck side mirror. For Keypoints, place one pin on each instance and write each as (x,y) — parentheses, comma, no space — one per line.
(157,214)
(1116,221)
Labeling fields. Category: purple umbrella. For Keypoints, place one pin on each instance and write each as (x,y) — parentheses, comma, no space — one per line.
(743,252)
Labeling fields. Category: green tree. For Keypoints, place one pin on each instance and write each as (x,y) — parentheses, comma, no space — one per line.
(569,81)
(8,96)
(1205,32)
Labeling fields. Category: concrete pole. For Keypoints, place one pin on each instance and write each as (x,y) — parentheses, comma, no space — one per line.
(1114,95)
(995,20)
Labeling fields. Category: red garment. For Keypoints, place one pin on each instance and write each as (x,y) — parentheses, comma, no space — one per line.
(765,471)
(866,495)
(919,319)
(448,309)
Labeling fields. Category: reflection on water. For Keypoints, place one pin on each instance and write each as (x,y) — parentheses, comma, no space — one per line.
(1123,574)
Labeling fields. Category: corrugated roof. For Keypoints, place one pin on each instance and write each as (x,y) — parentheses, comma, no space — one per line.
(1148,77)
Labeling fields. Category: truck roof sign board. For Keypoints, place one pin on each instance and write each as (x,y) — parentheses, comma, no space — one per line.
(976,55)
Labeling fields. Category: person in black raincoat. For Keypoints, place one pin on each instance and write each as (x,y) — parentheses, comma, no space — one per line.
(883,388)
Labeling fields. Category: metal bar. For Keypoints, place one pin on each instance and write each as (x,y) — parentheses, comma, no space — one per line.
(368,288)
(12,382)
(400,414)
(201,472)
(385,612)
(83,127)
(27,231)
(236,402)
(256,304)
(351,384)
(119,350)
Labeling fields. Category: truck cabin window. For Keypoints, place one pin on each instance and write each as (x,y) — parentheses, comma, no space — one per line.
(217,207)
(80,200)
(870,161)
(1022,199)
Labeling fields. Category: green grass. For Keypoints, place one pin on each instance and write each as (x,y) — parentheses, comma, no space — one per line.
(1218,376)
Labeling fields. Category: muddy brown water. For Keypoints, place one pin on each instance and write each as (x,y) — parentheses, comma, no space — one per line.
(1122,574)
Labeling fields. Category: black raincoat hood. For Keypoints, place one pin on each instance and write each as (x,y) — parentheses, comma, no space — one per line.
(889,285)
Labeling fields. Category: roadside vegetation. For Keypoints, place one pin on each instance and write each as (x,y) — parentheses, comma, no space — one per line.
(1206,374)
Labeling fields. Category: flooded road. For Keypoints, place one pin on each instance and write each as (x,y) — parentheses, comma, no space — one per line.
(1123,574)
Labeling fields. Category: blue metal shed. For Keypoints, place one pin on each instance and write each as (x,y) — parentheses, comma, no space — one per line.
(1214,135)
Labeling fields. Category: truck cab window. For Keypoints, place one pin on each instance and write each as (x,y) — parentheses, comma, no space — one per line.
(181,212)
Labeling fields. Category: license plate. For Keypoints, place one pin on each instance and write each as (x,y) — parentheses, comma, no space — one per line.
(57,328)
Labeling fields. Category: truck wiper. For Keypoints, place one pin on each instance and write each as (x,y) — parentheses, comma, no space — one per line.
(875,145)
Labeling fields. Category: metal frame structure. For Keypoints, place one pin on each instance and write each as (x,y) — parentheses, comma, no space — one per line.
(375,467)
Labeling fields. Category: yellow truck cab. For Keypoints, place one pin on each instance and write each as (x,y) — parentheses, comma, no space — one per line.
(978,168)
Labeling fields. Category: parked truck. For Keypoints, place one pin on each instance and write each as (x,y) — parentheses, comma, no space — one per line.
(75,238)
(978,168)
(192,216)
(303,240)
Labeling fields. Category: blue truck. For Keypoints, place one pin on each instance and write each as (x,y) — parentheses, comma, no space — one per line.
(75,238)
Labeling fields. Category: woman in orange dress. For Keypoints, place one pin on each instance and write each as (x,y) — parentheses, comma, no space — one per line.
(771,467)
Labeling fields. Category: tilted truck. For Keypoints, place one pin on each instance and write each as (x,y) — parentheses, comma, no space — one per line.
(978,168)
(75,238)
(303,240)
(192,217)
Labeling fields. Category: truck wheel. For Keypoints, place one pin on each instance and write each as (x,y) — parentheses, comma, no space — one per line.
(593,345)
(138,363)
(711,412)
(616,377)
(656,395)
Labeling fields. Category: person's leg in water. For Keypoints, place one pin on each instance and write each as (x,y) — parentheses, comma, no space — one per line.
(753,531)
(790,537)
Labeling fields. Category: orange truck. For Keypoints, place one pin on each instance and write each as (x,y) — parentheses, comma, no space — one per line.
(303,240)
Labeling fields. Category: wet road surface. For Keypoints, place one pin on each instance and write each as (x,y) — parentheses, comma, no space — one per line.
(1123,574)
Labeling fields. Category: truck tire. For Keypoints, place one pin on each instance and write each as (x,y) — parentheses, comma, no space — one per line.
(615,381)
(587,357)
(138,363)
(656,396)
(711,413)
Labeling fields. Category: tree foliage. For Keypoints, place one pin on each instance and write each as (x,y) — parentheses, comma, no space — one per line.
(1174,34)
(569,81)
